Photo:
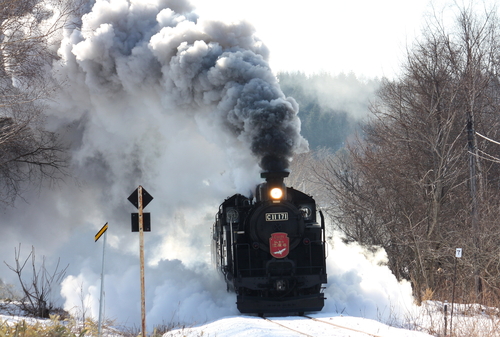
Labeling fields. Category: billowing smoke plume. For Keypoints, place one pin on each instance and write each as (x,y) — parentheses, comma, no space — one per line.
(214,71)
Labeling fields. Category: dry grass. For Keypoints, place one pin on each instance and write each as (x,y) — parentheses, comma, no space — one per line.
(54,328)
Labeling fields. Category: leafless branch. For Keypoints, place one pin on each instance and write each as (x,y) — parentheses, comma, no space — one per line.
(37,291)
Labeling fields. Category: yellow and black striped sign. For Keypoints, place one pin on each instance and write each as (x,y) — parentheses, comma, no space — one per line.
(101,232)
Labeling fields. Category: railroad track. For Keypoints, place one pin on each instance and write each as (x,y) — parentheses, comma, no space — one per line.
(301,329)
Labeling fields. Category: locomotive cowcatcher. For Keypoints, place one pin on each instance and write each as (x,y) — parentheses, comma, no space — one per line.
(271,249)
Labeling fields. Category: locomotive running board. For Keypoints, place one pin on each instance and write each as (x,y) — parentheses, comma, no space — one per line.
(299,304)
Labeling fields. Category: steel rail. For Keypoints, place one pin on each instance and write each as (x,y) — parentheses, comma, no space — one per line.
(340,326)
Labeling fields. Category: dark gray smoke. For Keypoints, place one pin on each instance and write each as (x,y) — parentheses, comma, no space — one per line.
(226,69)
(197,67)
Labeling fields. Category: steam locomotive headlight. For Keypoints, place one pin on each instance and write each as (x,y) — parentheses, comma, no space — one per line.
(306,212)
(276,193)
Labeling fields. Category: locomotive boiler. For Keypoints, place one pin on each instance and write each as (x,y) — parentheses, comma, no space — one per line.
(271,249)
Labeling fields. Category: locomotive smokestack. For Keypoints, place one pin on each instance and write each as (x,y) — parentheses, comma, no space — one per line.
(275,177)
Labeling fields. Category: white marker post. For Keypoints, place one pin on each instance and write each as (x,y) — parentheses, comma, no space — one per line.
(458,255)
(102,231)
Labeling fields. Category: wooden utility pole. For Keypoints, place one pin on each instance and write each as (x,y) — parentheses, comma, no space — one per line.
(141,257)
(471,145)
(140,198)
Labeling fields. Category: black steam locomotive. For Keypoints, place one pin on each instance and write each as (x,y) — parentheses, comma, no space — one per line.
(271,249)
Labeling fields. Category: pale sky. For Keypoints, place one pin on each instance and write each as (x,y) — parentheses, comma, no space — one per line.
(367,37)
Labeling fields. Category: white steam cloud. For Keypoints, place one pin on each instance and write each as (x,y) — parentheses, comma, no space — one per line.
(360,284)
(190,110)
(156,59)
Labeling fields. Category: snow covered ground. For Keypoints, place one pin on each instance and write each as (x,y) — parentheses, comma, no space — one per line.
(248,326)
(251,326)
(469,320)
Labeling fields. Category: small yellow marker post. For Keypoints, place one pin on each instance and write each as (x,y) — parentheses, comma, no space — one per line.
(102,231)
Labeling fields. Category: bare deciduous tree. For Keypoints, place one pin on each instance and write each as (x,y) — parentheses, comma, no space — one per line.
(37,291)
(29,31)
(415,182)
